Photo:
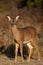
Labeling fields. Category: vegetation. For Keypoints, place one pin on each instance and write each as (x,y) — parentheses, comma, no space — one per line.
(34,3)
(29,3)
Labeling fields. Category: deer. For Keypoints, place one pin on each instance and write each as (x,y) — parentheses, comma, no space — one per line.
(26,35)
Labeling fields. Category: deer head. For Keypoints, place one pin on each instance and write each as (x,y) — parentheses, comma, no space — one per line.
(12,20)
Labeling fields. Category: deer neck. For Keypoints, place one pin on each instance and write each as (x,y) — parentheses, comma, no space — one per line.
(14,28)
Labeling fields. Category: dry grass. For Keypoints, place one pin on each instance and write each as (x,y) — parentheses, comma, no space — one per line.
(4,60)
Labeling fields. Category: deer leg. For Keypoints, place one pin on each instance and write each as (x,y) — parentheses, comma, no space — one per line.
(21,51)
(34,42)
(16,51)
(30,52)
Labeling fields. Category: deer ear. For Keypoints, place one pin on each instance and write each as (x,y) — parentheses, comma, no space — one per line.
(9,18)
(17,17)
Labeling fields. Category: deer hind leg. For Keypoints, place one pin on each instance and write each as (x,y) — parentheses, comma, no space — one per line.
(30,51)
(16,51)
(34,42)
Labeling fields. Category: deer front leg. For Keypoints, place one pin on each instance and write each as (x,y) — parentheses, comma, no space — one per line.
(21,51)
(16,51)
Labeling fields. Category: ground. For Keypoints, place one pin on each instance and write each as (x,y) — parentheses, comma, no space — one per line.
(4,60)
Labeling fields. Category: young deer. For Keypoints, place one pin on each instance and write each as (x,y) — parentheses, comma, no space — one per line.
(24,36)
